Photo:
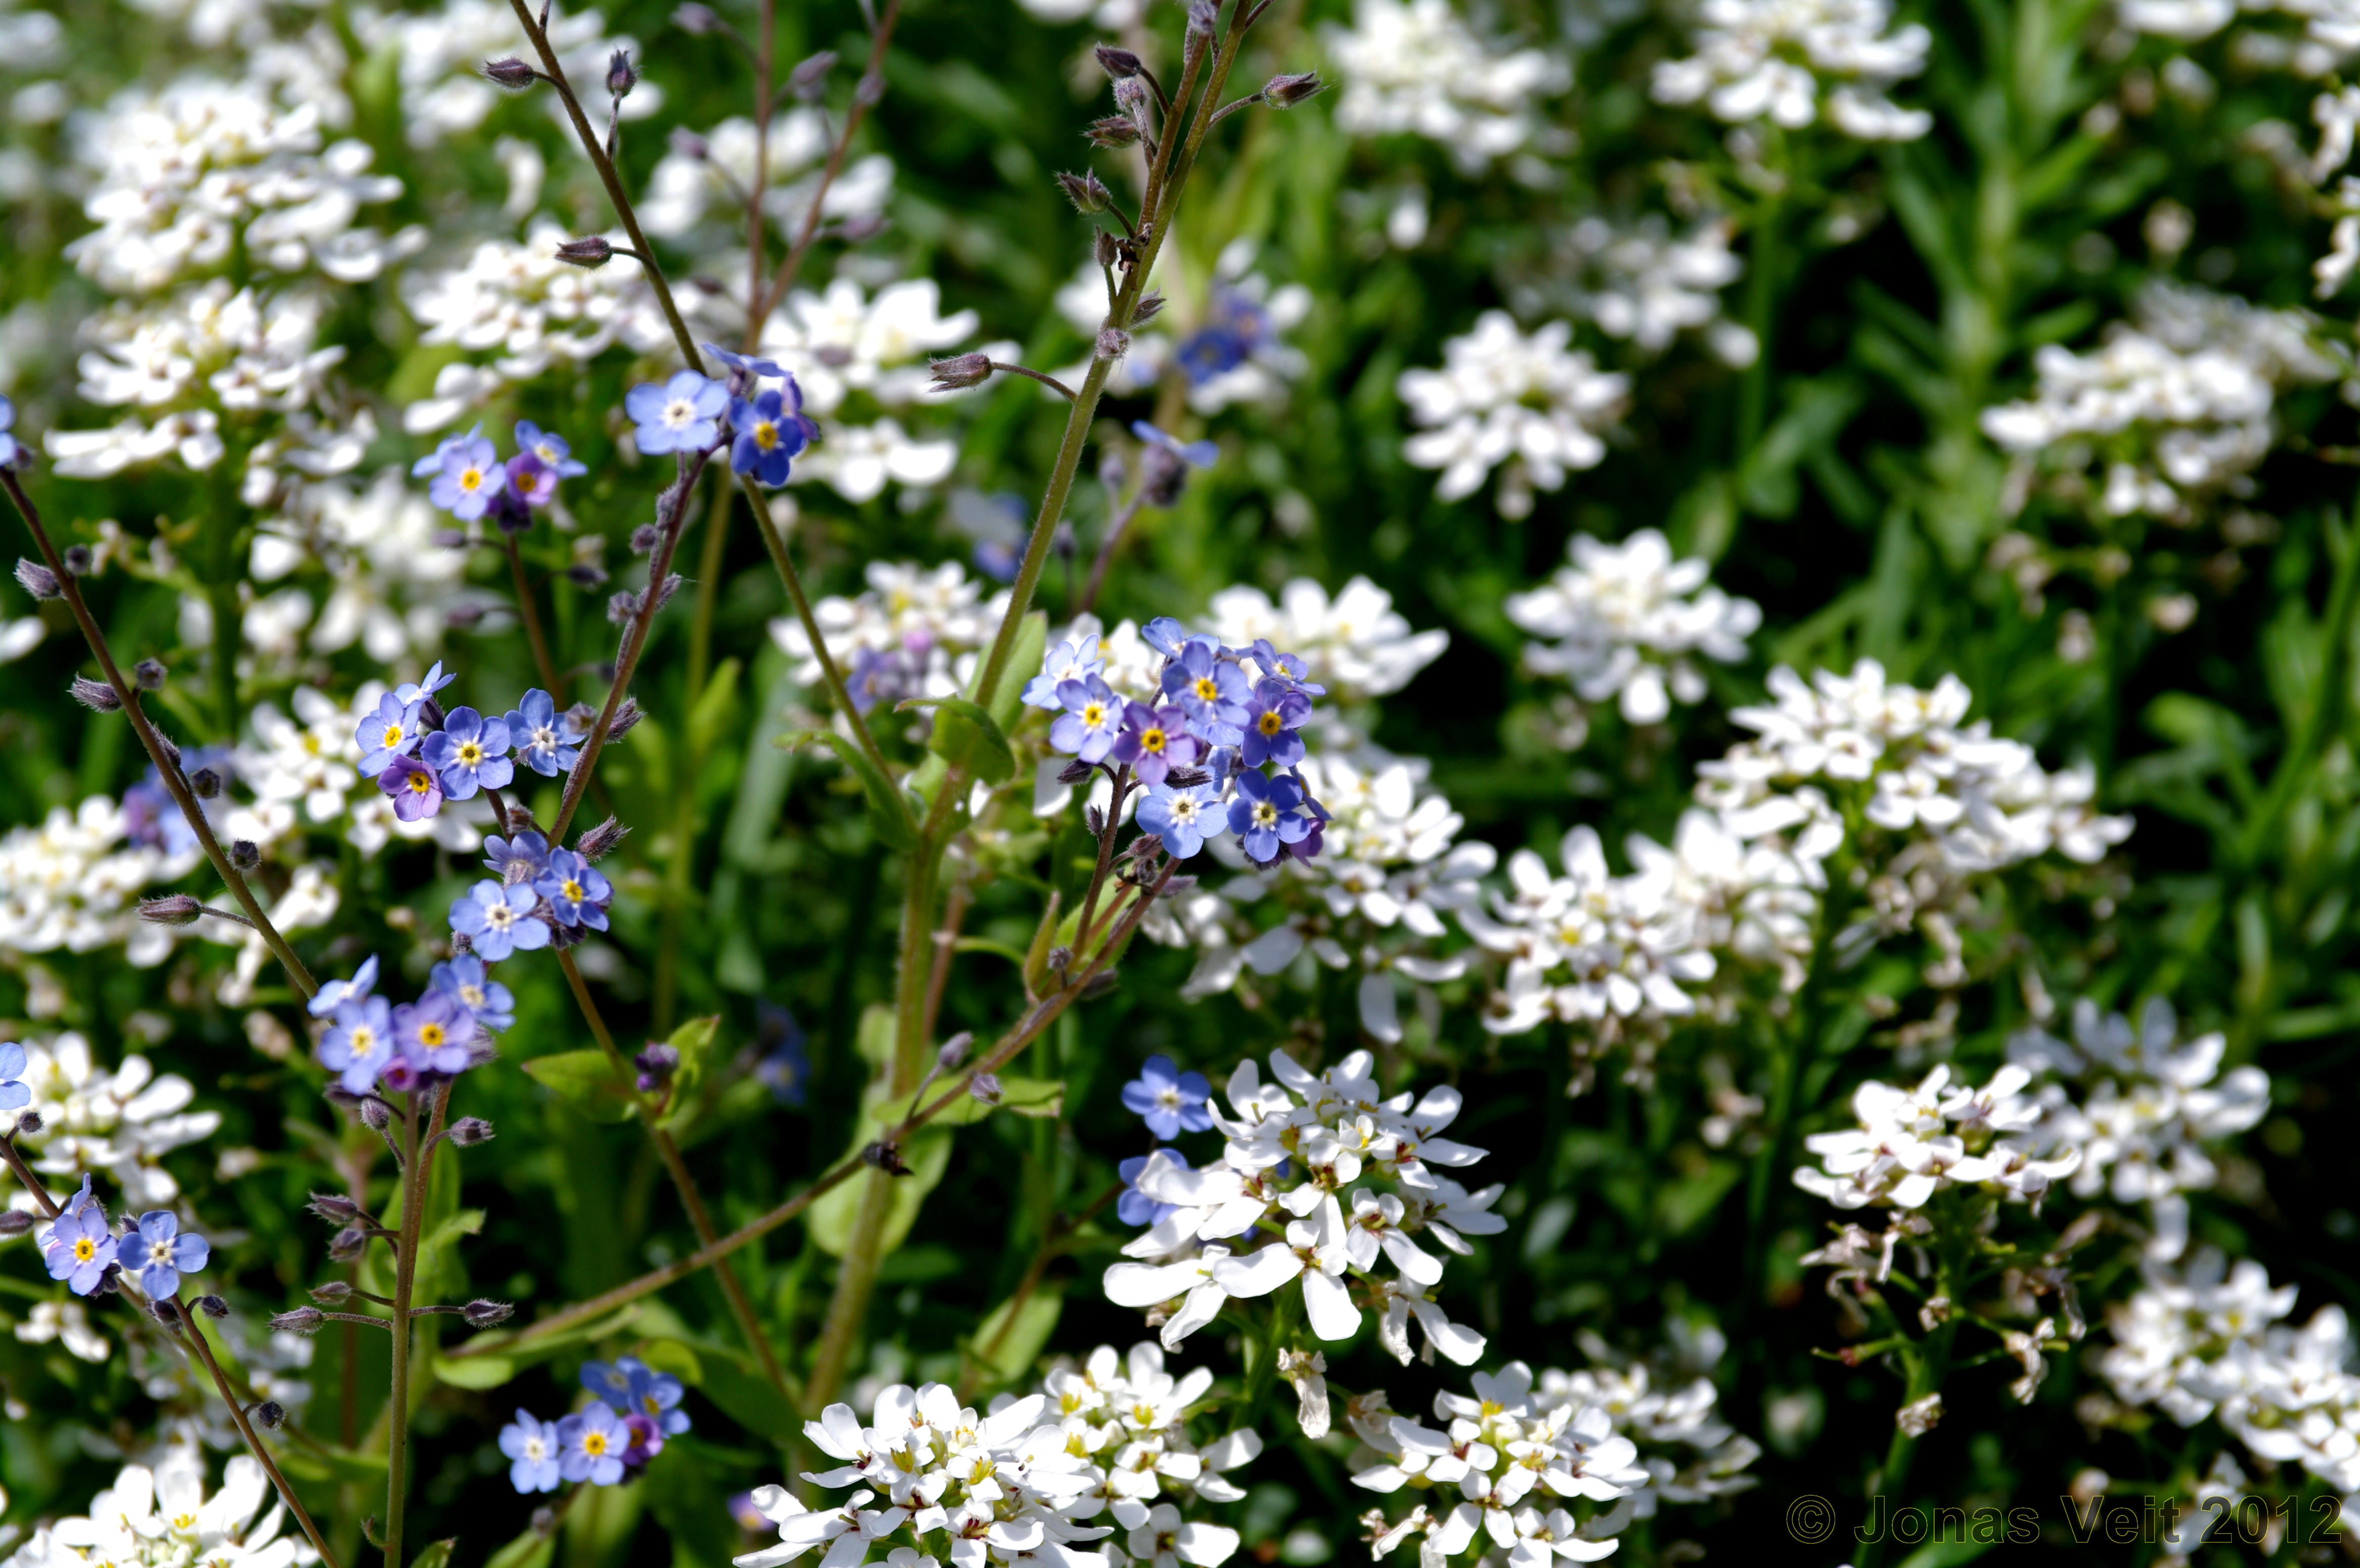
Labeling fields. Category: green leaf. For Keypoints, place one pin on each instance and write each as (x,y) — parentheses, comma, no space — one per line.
(436,1554)
(888,813)
(531,1550)
(476,1372)
(928,1155)
(326,1462)
(748,1399)
(585,1079)
(1044,1098)
(693,1041)
(712,709)
(1023,654)
(966,736)
(1019,1344)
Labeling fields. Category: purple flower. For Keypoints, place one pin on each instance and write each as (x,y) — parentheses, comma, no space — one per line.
(534,1444)
(470,481)
(577,894)
(416,791)
(163,1255)
(592,1444)
(1198,454)
(1154,742)
(770,432)
(77,1249)
(335,993)
(1091,721)
(1183,818)
(498,920)
(1265,816)
(682,415)
(14,1092)
(423,690)
(471,751)
(1073,661)
(1203,684)
(360,1043)
(542,737)
(468,983)
(520,859)
(554,453)
(532,483)
(392,730)
(1134,1207)
(1270,719)
(1307,846)
(646,1440)
(431,1034)
(1170,1101)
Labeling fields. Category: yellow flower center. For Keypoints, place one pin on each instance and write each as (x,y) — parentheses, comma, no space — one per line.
(1206,690)
(470,754)
(1269,723)
(1151,741)
(572,891)
(420,783)
(84,1249)
(471,478)
(1265,815)
(1093,714)
(363,1038)
(473,995)
(392,736)
(431,1035)
(766,435)
(593,1443)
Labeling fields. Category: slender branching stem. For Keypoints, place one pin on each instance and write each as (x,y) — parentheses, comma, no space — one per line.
(529,612)
(32,1183)
(1105,558)
(166,767)
(204,1352)
(1107,830)
(1047,380)
(415,1164)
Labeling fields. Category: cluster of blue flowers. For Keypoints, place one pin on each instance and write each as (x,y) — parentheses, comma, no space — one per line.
(421,756)
(767,426)
(82,1249)
(609,1443)
(469,481)
(1171,1103)
(542,896)
(1235,714)
(371,1042)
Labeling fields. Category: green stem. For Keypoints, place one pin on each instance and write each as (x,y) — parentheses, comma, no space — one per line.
(1762,264)
(1928,1365)
(415,1162)
(678,874)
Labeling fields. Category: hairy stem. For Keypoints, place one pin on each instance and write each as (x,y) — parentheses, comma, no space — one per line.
(246,1428)
(415,1164)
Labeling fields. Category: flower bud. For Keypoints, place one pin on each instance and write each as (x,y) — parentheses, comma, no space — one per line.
(334,1207)
(301,1321)
(656,1065)
(333,1293)
(376,1115)
(511,73)
(954,1050)
(1120,64)
(697,21)
(1099,984)
(621,607)
(1132,98)
(79,560)
(886,1157)
(430,714)
(469,1130)
(808,80)
(590,250)
(669,587)
(1074,772)
(28,1122)
(1203,17)
(626,717)
(347,1244)
(453,538)
(172,909)
(211,1306)
(601,840)
(868,90)
(38,580)
(585,574)
(484,1314)
(582,716)
(149,675)
(243,854)
(1113,343)
(1084,192)
(205,784)
(1285,92)
(867,225)
(269,1415)
(1115,130)
(1103,249)
(689,145)
(620,77)
(16,1221)
(1150,306)
(170,750)
(960,371)
(95,696)
(463,617)
(985,1085)
(643,539)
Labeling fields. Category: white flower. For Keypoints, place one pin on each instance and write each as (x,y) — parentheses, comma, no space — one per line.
(841,341)
(1504,398)
(1356,644)
(1644,285)
(161,1518)
(73,882)
(1913,1142)
(856,460)
(67,1322)
(1314,1252)
(1790,61)
(1415,68)
(688,186)
(444,93)
(1627,622)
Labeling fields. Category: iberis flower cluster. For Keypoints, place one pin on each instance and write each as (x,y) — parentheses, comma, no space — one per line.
(159,1517)
(609,1443)
(1793,62)
(1530,402)
(1022,1482)
(1295,1196)
(1914,1143)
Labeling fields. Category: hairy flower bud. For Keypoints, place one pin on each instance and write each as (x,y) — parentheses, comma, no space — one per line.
(689,145)
(171,749)
(656,1065)
(590,250)
(621,607)
(211,1306)
(985,1085)
(1120,64)
(1103,249)
(1285,92)
(808,80)
(626,717)
(511,73)
(960,371)
(469,1130)
(1133,99)
(1203,17)
(79,560)
(1074,772)
(376,1115)
(1084,192)
(347,1244)
(16,1221)
(149,675)
(301,1321)
(1115,130)
(1113,343)
(643,539)
(953,1051)
(331,1293)
(173,909)
(620,77)
(600,841)
(1150,305)
(269,1415)
(95,696)
(582,716)
(481,1314)
(245,854)
(29,1122)
(669,587)
(38,580)
(334,1207)
(867,225)
(205,784)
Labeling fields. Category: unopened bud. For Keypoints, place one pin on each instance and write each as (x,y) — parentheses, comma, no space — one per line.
(469,1130)
(626,717)
(1084,192)
(590,250)
(1060,959)
(171,749)
(669,587)
(1099,984)
(79,560)
(269,1415)
(334,1207)
(544,1522)
(1120,64)
(1094,819)
(16,1221)
(620,77)
(95,696)
(621,607)
(697,20)
(866,225)
(643,539)
(376,1115)
(1285,92)
(1113,343)
(453,538)
(808,80)
(1074,772)
(601,840)
(582,716)
(38,580)
(1150,306)
(585,574)
(656,1065)
(172,909)
(205,784)
(29,1122)
(985,1085)
(347,1244)
(1132,98)
(484,1314)
(954,1050)
(334,1293)
(301,1321)
(868,90)
(1115,130)
(149,675)
(511,73)
(1203,17)
(1103,249)
(886,1157)
(961,371)
(211,1306)
(463,617)
(243,854)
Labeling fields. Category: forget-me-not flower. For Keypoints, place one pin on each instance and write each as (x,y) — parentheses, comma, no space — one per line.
(416,791)
(1169,1101)
(1183,818)
(498,920)
(545,741)
(533,1446)
(577,894)
(335,993)
(163,1254)
(1266,816)
(1270,719)
(1203,683)
(1166,635)
(773,430)
(392,730)
(1092,720)
(358,1046)
(552,450)
(519,859)
(470,751)
(683,414)
(465,981)
(1154,741)
(746,365)
(635,1389)
(470,479)
(1075,660)
(431,1034)
(78,1248)
(1196,454)
(532,483)
(1287,667)
(591,1444)
(1134,1207)
(15,1093)
(423,690)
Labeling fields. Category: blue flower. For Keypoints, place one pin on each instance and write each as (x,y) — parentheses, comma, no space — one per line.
(392,730)
(1183,818)
(745,364)
(770,435)
(554,453)
(1238,330)
(1092,720)
(1309,845)
(1166,635)
(610,1381)
(498,920)
(682,415)
(1170,1101)
(466,983)
(470,481)
(519,859)
(577,894)
(11,454)
(591,1446)
(419,691)
(360,1043)
(533,1445)
(646,1392)
(152,817)
(163,1254)
(1265,815)
(336,992)
(1198,454)
(996,560)
(543,736)
(471,751)
(1203,683)
(1154,742)
(78,1248)
(786,1065)
(416,791)
(1075,660)
(432,1035)
(1270,719)
(14,1092)
(449,445)
(1287,667)
(1134,1207)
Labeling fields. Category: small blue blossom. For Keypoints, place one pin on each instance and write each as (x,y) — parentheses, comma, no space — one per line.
(996,560)
(423,690)
(1234,332)
(577,894)
(417,792)
(634,1388)
(392,730)
(471,478)
(336,992)
(1183,818)
(1166,635)
(545,741)
(552,450)
(1270,719)
(1154,741)
(519,859)
(152,817)
(1075,660)
(498,920)
(15,1093)
(443,451)
(1134,1207)
(1309,845)
(432,1035)
(1169,1101)
(11,454)
(533,1445)
(771,434)
(1197,454)
(610,1381)
(163,1254)
(78,1248)
(1203,683)
(359,1045)
(744,363)
(785,1065)
(684,415)
(591,1445)
(466,983)
(1287,667)
(471,751)
(1092,720)
(532,483)
(83,1199)
(1265,814)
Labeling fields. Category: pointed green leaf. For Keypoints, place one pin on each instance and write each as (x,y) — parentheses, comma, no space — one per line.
(584,1080)
(887,811)
(966,736)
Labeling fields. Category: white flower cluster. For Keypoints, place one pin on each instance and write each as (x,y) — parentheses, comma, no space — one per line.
(1646,285)
(2170,410)
(73,883)
(1913,1142)
(392,585)
(915,632)
(2144,1106)
(840,342)
(2211,1340)
(2328,36)
(714,169)
(1792,62)
(443,90)
(1627,622)
(1412,66)
(1308,1145)
(1669,1407)
(1107,1437)
(118,1123)
(1504,398)
(1356,644)
(162,1518)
